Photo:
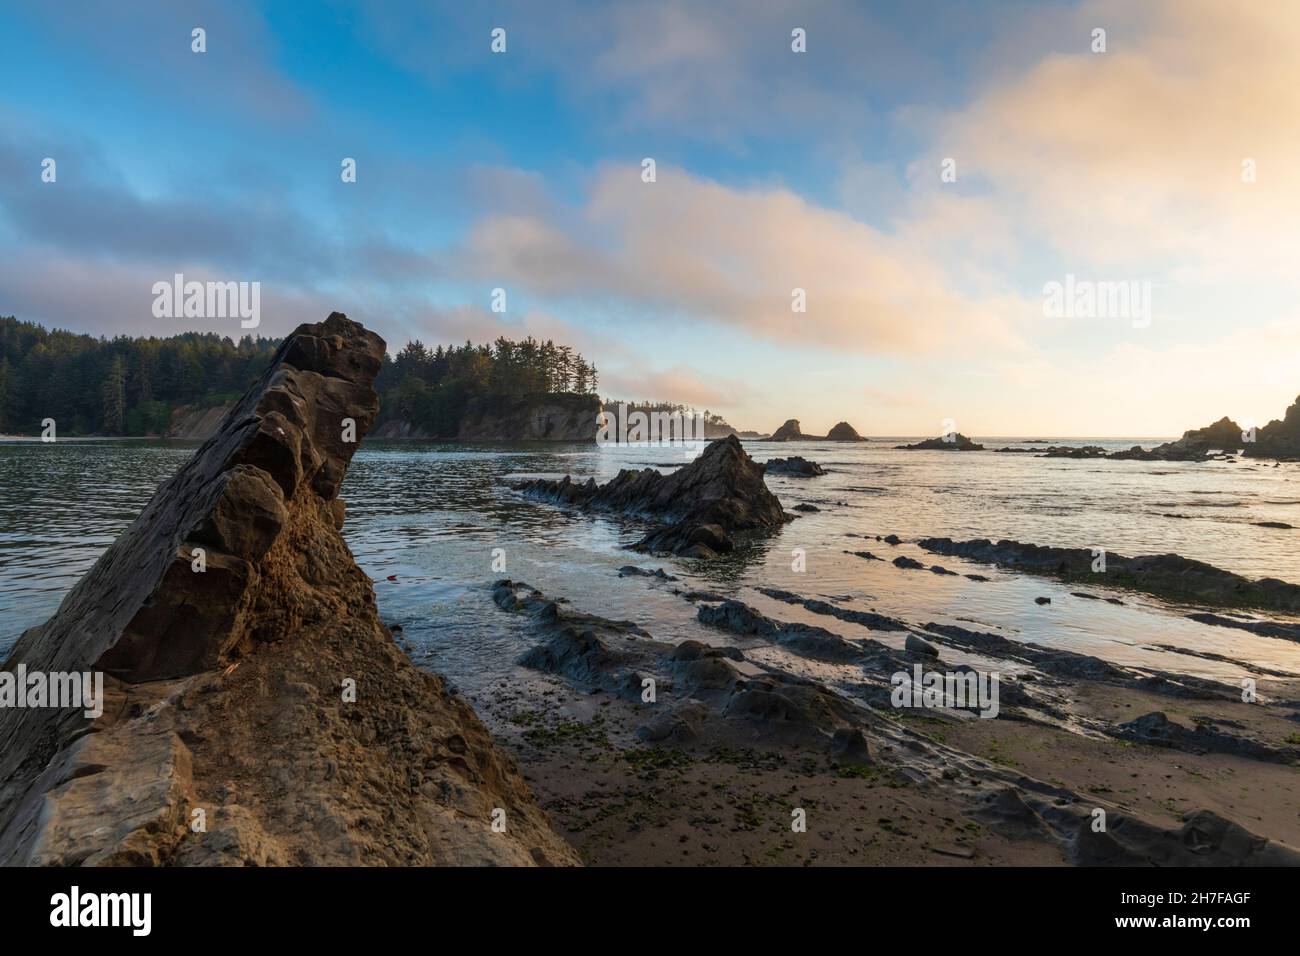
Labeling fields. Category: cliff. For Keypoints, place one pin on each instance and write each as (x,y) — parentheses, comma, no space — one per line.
(546,417)
(256,710)
(194,421)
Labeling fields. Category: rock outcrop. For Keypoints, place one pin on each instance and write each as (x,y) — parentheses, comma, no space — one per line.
(790,431)
(955,442)
(1278,439)
(542,417)
(196,422)
(701,505)
(787,432)
(797,466)
(844,432)
(250,685)
(1165,575)
(531,418)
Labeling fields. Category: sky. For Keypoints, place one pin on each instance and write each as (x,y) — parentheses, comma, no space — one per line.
(923,171)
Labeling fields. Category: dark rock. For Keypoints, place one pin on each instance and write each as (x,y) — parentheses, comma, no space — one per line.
(631,570)
(1165,575)
(955,442)
(903,561)
(1042,600)
(796,466)
(787,432)
(849,747)
(804,506)
(804,639)
(1289,632)
(918,646)
(843,432)
(702,504)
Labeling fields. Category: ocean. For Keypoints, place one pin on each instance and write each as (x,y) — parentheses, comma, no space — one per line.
(434,525)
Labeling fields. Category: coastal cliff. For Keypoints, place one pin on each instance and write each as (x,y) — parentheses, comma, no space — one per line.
(255,709)
(542,417)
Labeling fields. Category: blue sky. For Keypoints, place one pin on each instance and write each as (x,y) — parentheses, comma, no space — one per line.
(776,170)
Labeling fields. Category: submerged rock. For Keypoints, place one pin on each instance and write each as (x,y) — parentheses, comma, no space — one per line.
(702,504)
(249,674)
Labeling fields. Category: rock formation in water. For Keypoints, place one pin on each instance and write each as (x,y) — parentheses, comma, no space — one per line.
(257,711)
(1166,575)
(787,432)
(790,431)
(844,432)
(703,504)
(1278,439)
(799,467)
(957,442)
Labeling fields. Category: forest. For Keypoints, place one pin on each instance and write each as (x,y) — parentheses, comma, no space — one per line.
(431,389)
(130,386)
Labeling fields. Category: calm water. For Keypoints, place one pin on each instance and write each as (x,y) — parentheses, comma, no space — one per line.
(429,517)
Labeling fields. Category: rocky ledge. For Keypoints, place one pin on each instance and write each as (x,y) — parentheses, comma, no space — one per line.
(256,710)
(699,507)
(1165,575)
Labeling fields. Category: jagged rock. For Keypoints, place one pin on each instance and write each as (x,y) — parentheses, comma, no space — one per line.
(704,503)
(800,467)
(231,619)
(1278,439)
(956,442)
(1165,575)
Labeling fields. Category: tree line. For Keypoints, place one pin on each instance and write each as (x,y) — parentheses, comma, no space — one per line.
(117,386)
(431,389)
(131,386)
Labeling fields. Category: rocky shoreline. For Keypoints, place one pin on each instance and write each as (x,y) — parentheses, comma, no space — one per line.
(681,728)
(660,751)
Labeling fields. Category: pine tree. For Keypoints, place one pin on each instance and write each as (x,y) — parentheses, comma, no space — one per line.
(114,398)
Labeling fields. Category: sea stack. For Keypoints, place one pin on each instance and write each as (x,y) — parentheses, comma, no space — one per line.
(256,711)
(844,432)
(787,432)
